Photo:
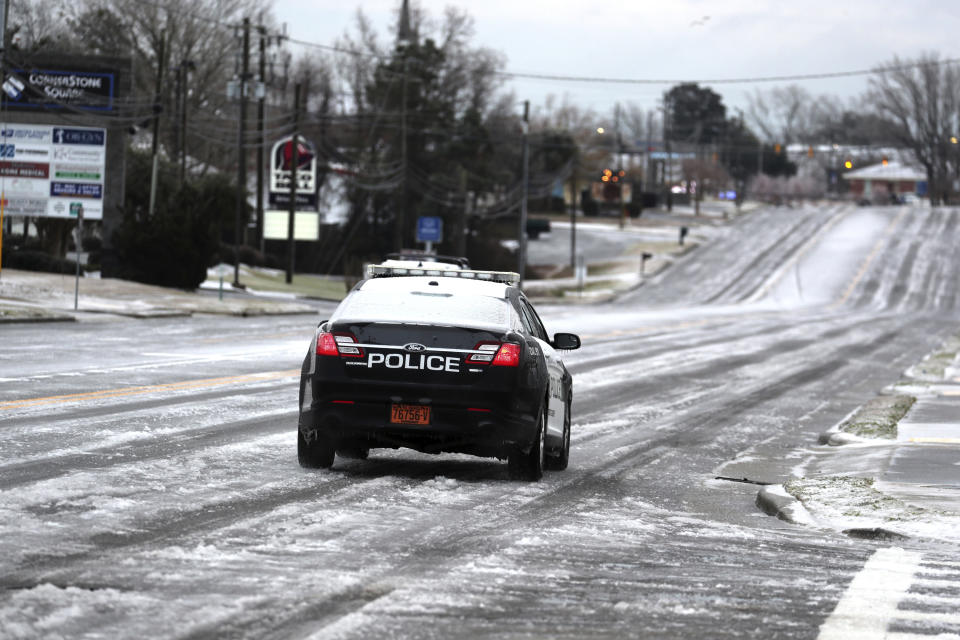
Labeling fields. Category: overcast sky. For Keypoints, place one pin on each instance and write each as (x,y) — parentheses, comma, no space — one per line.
(674,40)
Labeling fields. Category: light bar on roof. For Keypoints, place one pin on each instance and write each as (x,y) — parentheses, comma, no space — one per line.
(503,277)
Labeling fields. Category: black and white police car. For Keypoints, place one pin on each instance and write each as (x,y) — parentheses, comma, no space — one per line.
(437,360)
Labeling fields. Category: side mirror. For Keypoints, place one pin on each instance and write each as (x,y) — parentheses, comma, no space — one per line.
(566,341)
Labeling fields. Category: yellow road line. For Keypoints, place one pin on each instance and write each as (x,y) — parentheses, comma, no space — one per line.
(935,440)
(156,388)
(870,258)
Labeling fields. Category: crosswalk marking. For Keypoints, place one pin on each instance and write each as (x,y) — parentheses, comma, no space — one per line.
(892,590)
(932,617)
(870,602)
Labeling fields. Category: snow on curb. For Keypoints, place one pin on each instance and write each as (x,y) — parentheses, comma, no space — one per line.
(857,507)
(775,501)
(875,420)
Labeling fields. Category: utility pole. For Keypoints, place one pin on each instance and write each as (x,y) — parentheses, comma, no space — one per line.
(697,195)
(668,177)
(182,75)
(238,227)
(573,215)
(156,122)
(261,143)
(402,209)
(3,183)
(461,243)
(522,229)
(295,162)
(619,142)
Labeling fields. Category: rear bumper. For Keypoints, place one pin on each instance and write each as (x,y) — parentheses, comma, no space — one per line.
(480,423)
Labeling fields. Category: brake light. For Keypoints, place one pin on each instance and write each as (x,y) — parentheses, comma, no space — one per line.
(326,345)
(507,356)
(338,344)
(496,354)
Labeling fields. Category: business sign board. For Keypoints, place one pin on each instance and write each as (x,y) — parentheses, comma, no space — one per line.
(306,225)
(59,89)
(281,161)
(47,170)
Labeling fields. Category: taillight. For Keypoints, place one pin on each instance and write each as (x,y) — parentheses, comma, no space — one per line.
(346,345)
(507,356)
(496,354)
(326,345)
(488,351)
(338,344)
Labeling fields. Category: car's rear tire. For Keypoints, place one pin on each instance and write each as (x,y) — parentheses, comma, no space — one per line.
(559,460)
(529,466)
(317,454)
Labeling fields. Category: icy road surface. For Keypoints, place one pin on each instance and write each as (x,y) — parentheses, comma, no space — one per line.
(149,484)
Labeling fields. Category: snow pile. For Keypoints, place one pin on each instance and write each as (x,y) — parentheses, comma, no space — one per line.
(849,503)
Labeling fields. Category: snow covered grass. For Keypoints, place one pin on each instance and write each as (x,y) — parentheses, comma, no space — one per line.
(273,282)
(879,417)
(935,366)
(847,502)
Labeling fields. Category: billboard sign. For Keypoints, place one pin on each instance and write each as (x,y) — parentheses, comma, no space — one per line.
(59,89)
(281,160)
(45,170)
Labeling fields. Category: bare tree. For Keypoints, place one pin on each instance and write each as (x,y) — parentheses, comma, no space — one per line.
(783,114)
(922,97)
(36,25)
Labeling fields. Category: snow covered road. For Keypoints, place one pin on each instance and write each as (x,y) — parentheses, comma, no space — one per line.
(149,484)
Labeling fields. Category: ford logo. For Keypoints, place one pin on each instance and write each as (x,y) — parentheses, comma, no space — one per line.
(414,346)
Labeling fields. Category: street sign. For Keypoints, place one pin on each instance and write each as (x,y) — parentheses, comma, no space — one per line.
(429,229)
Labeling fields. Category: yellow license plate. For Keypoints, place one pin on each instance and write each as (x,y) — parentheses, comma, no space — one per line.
(409,414)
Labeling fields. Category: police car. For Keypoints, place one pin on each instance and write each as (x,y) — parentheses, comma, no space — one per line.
(437,360)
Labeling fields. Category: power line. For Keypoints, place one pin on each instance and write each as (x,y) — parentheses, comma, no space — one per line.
(746,80)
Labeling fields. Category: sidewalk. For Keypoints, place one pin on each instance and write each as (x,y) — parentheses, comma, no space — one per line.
(28,296)
(904,485)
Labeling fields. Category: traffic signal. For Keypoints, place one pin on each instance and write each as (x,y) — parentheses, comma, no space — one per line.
(605,176)
(884,161)
(776,148)
(848,164)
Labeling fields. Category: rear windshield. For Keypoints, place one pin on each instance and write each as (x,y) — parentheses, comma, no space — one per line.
(423,307)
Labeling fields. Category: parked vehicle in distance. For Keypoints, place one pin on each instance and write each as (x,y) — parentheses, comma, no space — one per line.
(536,226)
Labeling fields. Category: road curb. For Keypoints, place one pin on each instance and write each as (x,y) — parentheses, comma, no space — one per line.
(774,500)
(10,314)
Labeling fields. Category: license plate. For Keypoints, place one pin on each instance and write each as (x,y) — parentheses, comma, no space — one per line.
(409,414)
